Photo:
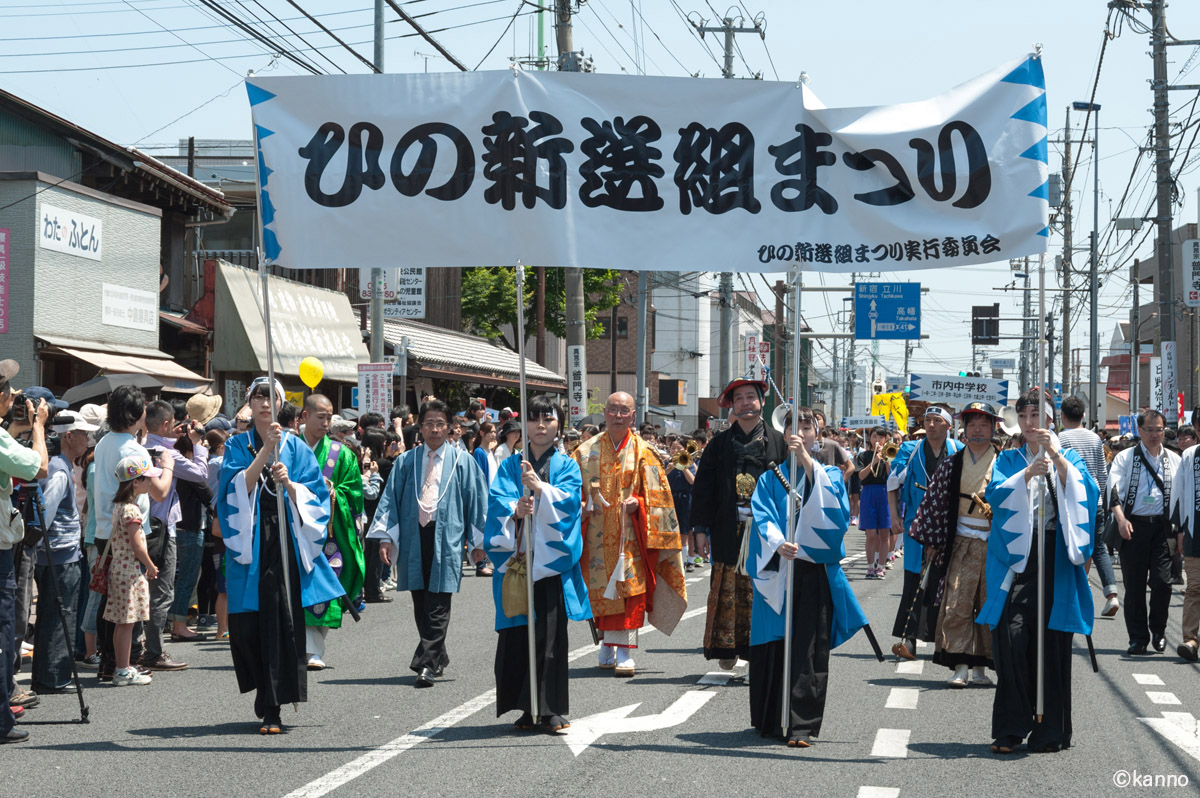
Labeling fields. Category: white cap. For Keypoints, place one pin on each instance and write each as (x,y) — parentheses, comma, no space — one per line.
(77,422)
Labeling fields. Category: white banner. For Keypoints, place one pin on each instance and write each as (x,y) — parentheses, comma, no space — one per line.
(409,301)
(576,384)
(1170,382)
(860,422)
(1156,385)
(488,168)
(1191,272)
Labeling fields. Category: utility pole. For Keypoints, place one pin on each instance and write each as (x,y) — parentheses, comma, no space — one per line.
(725,293)
(573,277)
(377,273)
(1162,148)
(1067,265)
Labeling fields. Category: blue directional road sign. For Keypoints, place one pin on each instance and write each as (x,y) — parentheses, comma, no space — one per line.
(887,311)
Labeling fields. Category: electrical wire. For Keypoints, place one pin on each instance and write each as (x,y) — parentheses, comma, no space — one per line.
(177,36)
(503,33)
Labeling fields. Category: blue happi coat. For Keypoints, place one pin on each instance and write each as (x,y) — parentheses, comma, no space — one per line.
(307,523)
(909,475)
(824,519)
(557,538)
(461,508)
(1012,534)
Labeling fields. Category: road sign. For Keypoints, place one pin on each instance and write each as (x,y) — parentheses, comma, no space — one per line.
(957,390)
(1009,363)
(887,311)
(1191,272)
(860,422)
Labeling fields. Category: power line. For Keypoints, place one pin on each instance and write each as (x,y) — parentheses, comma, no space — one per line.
(332,35)
(291,30)
(157,32)
(500,38)
(177,36)
(260,37)
(425,35)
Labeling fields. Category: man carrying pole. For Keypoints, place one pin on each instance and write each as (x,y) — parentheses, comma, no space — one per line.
(1038,481)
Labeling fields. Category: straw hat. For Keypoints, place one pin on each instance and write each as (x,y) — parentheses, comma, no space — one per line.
(203,408)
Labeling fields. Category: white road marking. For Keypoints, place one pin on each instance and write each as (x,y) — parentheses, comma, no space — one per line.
(585,731)
(1169,699)
(903,698)
(878,792)
(1180,728)
(891,743)
(1147,679)
(691,581)
(716,677)
(862,555)
(923,644)
(373,759)
(912,667)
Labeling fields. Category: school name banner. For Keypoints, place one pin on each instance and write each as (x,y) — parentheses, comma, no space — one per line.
(601,171)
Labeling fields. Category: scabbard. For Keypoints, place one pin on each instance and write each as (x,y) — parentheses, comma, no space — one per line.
(349,607)
(1092,654)
(874,643)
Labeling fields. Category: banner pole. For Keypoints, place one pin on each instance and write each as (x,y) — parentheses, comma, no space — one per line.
(1040,532)
(785,703)
(527,522)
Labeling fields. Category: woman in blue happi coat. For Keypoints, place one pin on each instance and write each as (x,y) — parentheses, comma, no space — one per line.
(545,484)
(1039,473)
(266,632)
(825,611)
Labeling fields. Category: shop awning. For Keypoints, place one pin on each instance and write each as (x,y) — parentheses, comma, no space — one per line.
(132,360)
(305,322)
(445,354)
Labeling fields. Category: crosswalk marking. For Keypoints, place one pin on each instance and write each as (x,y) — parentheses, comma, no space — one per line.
(1147,678)
(1163,698)
(878,792)
(903,698)
(891,743)
(912,667)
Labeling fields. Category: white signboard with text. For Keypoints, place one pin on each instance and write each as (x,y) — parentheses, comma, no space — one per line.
(69,232)
(375,388)
(1170,381)
(409,299)
(1191,272)
(128,307)
(1156,384)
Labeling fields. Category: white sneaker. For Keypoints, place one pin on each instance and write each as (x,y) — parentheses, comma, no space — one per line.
(128,676)
(316,664)
(1110,607)
(980,677)
(608,657)
(625,666)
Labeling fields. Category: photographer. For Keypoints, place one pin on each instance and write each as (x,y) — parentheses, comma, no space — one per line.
(18,462)
(51,652)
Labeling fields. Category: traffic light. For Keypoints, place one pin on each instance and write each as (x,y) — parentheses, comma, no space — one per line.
(970,373)
(985,325)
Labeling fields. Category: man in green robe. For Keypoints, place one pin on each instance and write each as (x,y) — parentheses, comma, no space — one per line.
(343,548)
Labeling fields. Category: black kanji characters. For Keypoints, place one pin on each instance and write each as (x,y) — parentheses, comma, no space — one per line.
(512,154)
(715,168)
(802,156)
(619,159)
(362,162)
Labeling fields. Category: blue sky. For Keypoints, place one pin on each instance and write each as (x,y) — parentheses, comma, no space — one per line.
(62,56)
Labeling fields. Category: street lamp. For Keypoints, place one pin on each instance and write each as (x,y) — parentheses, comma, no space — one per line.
(1094,359)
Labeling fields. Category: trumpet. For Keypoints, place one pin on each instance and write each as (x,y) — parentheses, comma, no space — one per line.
(684,458)
(890,450)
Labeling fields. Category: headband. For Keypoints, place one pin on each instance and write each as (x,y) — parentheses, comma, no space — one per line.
(941,413)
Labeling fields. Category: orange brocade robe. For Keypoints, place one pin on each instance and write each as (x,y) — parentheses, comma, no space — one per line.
(653,585)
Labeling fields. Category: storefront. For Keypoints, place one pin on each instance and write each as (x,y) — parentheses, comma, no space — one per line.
(305,322)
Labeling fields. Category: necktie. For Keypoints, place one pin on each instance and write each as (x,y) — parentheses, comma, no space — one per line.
(427,506)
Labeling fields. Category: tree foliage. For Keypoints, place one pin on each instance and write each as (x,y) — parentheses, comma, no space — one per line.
(489,301)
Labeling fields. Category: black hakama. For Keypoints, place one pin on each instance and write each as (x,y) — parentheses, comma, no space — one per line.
(1014,646)
(550,639)
(916,623)
(811,638)
(268,648)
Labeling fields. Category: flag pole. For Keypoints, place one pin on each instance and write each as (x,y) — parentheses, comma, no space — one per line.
(785,703)
(527,522)
(1040,532)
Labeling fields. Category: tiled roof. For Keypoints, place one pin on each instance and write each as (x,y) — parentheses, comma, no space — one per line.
(441,347)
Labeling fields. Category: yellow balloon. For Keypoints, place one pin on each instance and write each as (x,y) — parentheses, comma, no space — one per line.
(311,371)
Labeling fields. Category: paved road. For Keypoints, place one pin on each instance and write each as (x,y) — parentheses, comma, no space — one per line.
(891,729)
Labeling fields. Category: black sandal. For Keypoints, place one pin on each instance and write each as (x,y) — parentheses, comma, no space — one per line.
(524,723)
(555,724)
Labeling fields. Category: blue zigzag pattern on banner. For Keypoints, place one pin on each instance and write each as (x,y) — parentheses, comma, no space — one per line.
(1034,112)
(271,248)
(1027,74)
(1038,152)
(257,95)
(832,535)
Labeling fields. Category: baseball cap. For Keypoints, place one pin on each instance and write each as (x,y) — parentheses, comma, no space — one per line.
(38,392)
(134,466)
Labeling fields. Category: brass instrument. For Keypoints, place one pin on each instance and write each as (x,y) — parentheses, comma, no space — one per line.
(683,458)
(890,450)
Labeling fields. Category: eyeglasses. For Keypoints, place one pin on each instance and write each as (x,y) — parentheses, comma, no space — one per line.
(618,411)
(1153,430)
(433,424)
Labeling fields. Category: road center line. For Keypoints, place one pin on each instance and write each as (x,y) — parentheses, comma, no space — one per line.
(891,743)
(1149,679)
(912,667)
(878,792)
(376,757)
